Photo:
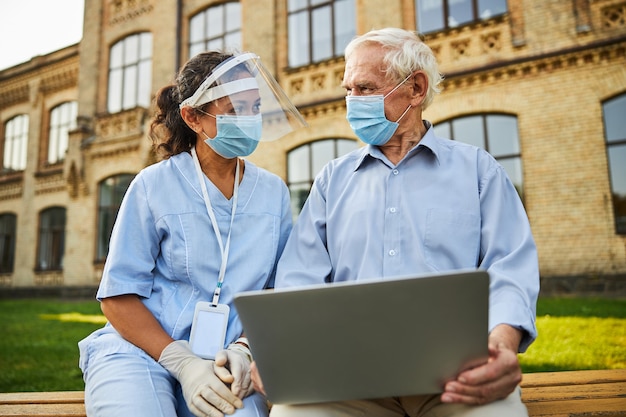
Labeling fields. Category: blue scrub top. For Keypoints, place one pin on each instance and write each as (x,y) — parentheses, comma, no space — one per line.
(163,246)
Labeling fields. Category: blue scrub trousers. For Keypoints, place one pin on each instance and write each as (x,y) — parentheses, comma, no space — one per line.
(134,384)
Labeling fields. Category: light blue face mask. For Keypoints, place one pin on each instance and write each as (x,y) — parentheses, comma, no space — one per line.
(366,115)
(236,135)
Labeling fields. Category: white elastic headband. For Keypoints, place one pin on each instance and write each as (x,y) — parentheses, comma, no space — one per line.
(204,94)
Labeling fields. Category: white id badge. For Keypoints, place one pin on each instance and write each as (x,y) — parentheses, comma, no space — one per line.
(208,330)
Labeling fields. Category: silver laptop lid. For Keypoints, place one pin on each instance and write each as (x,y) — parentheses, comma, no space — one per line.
(367,339)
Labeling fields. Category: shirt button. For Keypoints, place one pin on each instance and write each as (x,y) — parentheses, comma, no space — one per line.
(392,209)
(395,172)
(392,252)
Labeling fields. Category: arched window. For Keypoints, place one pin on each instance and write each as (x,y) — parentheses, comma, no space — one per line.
(217,27)
(436,15)
(130,73)
(7,242)
(496,133)
(15,143)
(613,113)
(304,162)
(62,120)
(319,29)
(110,193)
(51,239)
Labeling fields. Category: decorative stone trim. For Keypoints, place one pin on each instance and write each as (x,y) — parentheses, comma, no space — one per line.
(614,16)
(110,152)
(125,10)
(48,278)
(14,94)
(62,79)
(11,190)
(120,126)
(314,82)
(321,109)
(537,65)
(53,183)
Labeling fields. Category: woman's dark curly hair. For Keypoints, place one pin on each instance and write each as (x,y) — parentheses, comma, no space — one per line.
(169,133)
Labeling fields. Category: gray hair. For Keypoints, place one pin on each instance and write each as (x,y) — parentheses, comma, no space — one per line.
(405,53)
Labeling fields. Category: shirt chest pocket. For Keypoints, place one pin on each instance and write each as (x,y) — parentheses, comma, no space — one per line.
(451,239)
(187,239)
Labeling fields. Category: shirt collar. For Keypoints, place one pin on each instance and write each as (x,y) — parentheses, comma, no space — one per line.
(428,141)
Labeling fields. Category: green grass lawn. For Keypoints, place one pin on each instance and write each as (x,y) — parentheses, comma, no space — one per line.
(578,334)
(38,349)
(38,345)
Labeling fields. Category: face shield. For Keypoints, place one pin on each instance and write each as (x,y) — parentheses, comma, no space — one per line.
(242,86)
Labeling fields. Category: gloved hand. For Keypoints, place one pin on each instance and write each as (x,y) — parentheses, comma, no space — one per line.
(233,366)
(205,393)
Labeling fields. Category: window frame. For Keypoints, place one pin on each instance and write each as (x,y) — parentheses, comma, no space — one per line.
(612,144)
(59,129)
(209,42)
(8,235)
(309,8)
(15,144)
(51,239)
(131,78)
(110,211)
(446,15)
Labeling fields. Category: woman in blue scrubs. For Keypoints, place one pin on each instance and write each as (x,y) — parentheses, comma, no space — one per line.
(197,227)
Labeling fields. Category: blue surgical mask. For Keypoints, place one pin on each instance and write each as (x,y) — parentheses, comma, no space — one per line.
(236,135)
(366,115)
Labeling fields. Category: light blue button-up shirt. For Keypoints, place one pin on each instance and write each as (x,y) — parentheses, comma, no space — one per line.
(445,206)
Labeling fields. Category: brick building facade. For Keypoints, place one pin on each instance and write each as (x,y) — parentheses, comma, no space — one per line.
(552,69)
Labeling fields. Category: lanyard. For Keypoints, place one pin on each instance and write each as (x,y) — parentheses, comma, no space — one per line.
(207,202)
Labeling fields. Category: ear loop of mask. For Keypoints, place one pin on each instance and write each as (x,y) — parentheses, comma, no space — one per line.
(397,86)
(208,114)
(394,89)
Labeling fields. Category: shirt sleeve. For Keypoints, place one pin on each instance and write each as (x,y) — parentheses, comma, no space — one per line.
(133,247)
(509,254)
(305,259)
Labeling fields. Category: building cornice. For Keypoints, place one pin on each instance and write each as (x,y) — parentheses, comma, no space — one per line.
(47,76)
(604,51)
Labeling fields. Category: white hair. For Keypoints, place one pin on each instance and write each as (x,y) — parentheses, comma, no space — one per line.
(405,53)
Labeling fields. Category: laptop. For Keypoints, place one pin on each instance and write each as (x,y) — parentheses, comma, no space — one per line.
(367,339)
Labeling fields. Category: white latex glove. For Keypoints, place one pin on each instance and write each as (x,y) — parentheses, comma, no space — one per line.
(233,366)
(205,393)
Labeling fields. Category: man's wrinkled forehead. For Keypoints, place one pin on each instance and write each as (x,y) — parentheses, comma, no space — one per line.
(365,70)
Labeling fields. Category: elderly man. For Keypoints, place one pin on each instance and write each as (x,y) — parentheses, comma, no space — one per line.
(413,202)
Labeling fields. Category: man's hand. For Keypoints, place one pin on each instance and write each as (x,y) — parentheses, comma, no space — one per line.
(494,380)
(205,392)
(256,379)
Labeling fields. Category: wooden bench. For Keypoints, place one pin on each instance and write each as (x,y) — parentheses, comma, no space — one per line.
(48,404)
(553,394)
(575,393)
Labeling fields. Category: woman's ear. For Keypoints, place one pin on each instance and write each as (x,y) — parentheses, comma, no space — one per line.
(419,84)
(191,118)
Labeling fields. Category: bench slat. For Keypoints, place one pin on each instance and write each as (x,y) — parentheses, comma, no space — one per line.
(575,393)
(60,397)
(43,410)
(591,391)
(43,404)
(542,379)
(605,407)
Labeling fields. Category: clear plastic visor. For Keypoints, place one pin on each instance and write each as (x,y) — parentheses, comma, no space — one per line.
(242,86)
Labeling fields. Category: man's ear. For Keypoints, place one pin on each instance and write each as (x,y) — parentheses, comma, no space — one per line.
(191,118)
(419,84)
